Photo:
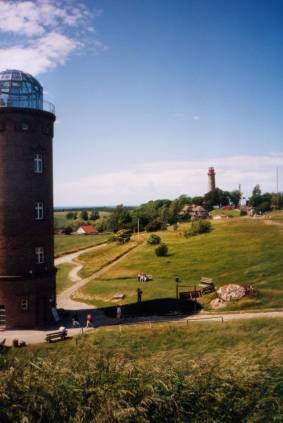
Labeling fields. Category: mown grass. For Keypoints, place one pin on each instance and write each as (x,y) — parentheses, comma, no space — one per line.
(236,251)
(62,280)
(65,244)
(96,260)
(210,373)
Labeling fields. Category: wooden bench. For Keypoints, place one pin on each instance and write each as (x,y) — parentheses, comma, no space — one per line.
(59,335)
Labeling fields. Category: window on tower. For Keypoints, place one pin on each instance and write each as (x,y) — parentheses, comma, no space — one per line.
(24,126)
(39,255)
(24,304)
(37,163)
(38,209)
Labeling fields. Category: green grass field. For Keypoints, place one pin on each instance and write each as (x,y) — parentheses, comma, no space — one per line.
(212,373)
(69,243)
(236,251)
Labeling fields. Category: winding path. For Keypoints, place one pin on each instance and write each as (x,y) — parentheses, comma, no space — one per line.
(64,299)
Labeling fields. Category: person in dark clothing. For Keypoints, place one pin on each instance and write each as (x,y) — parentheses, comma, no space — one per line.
(139,295)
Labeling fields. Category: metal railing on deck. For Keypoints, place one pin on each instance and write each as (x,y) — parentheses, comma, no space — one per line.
(27,103)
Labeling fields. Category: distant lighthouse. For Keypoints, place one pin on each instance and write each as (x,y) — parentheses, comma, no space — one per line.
(211,179)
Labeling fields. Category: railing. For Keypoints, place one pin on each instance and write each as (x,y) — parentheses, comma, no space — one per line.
(27,103)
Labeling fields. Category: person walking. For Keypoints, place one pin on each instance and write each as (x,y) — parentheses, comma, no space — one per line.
(75,320)
(139,295)
(89,321)
(119,312)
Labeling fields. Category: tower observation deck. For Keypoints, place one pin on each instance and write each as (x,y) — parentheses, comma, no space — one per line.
(27,273)
(19,89)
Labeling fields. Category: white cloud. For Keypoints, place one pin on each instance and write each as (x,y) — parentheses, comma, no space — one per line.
(169,179)
(46,53)
(45,33)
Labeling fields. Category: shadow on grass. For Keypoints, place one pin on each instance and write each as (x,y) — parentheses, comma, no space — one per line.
(158,307)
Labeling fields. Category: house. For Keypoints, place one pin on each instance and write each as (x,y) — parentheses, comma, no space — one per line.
(194,212)
(86,230)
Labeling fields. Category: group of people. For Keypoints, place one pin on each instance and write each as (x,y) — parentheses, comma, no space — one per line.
(89,318)
(143,277)
(76,320)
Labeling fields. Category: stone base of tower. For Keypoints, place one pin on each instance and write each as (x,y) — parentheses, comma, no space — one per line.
(27,303)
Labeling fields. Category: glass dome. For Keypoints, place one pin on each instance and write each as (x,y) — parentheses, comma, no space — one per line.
(19,89)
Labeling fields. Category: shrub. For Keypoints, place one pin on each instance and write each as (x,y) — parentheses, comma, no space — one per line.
(68,230)
(122,236)
(154,239)
(161,250)
(198,227)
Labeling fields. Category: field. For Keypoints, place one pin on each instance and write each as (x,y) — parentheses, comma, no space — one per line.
(213,373)
(240,251)
(68,243)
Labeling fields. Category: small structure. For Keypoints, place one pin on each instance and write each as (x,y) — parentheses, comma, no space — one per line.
(86,230)
(194,212)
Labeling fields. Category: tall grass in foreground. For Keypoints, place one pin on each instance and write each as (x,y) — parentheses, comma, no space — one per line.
(201,374)
(102,389)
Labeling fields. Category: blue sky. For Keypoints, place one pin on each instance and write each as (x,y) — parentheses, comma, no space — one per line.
(150,93)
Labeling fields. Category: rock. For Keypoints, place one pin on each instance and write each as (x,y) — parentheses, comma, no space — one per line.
(217,303)
(231,292)
(118,296)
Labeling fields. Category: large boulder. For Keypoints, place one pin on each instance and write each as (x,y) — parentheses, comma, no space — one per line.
(231,292)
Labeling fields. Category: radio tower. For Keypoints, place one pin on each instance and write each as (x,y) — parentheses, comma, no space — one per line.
(211,179)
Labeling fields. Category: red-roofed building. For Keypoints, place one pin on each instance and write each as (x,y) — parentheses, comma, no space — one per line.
(87,230)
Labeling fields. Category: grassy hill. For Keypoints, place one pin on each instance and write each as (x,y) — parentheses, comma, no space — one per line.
(212,373)
(236,251)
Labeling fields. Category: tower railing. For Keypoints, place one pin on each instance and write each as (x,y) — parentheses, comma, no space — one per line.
(27,103)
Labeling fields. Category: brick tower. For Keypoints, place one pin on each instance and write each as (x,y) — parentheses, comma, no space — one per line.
(211,179)
(27,273)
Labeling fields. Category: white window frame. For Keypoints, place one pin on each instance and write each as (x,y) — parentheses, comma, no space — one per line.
(24,304)
(38,163)
(39,255)
(38,209)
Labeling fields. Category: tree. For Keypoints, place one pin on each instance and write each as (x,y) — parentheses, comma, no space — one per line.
(84,215)
(216,198)
(257,190)
(235,197)
(70,215)
(119,219)
(94,215)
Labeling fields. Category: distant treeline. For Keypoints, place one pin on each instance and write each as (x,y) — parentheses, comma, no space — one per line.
(98,208)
